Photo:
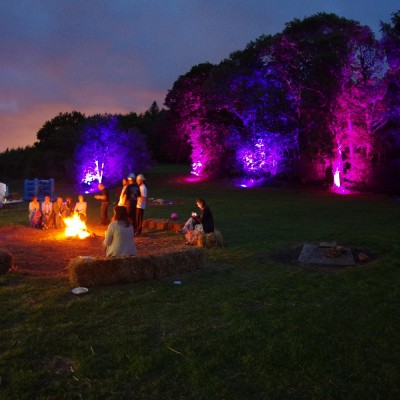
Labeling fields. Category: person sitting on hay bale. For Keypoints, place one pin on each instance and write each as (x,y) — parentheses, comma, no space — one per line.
(69,206)
(47,213)
(119,240)
(60,212)
(6,261)
(35,216)
(197,225)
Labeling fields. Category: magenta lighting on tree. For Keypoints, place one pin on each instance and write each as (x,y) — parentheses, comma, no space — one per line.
(317,103)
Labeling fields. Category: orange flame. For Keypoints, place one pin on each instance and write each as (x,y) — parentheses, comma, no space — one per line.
(75,227)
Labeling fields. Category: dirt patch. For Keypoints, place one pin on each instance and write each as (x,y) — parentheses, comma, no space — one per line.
(47,252)
(289,256)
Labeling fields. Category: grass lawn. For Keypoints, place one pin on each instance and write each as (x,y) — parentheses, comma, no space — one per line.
(253,325)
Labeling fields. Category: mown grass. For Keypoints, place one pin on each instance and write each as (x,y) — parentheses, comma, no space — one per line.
(253,325)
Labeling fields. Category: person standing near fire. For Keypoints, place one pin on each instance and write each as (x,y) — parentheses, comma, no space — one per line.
(104,197)
(131,195)
(122,193)
(141,203)
(81,208)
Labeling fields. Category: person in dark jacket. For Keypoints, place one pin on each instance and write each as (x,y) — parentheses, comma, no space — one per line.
(203,223)
(104,197)
(132,192)
(206,218)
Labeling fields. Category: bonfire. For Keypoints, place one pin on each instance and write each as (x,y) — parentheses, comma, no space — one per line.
(75,227)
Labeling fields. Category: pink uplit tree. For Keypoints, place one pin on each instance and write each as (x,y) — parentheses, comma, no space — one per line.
(313,103)
(357,114)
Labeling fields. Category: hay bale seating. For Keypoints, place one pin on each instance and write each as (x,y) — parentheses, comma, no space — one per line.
(209,240)
(206,240)
(175,226)
(6,261)
(90,272)
(162,224)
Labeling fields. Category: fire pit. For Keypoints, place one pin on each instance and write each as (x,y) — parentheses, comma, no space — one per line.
(75,227)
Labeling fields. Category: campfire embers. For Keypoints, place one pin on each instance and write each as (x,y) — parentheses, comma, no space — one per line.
(75,227)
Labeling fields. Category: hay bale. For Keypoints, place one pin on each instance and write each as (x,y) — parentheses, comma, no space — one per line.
(174,226)
(106,271)
(209,240)
(152,223)
(6,261)
(162,224)
(145,223)
(171,264)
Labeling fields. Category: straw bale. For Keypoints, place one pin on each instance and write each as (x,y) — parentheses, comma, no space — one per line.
(209,240)
(6,261)
(174,226)
(152,223)
(91,272)
(162,224)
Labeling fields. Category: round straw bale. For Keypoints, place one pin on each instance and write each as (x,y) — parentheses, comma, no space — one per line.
(6,261)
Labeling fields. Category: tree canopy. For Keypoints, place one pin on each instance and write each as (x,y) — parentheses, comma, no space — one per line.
(317,102)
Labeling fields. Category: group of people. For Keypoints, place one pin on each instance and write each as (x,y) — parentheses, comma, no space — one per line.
(120,234)
(128,218)
(133,196)
(50,214)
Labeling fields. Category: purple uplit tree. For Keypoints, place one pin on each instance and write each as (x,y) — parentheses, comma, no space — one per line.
(252,93)
(105,151)
(313,103)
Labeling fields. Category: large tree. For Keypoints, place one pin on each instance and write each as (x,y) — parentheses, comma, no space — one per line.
(261,133)
(308,56)
(57,139)
(357,112)
(189,102)
(106,152)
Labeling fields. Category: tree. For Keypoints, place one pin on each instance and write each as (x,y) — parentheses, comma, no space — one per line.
(357,112)
(107,152)
(391,46)
(261,135)
(57,139)
(331,68)
(188,100)
(61,132)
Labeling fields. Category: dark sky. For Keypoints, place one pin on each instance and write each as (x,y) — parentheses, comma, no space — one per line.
(118,56)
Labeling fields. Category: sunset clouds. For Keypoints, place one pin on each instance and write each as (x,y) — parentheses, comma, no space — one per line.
(98,56)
